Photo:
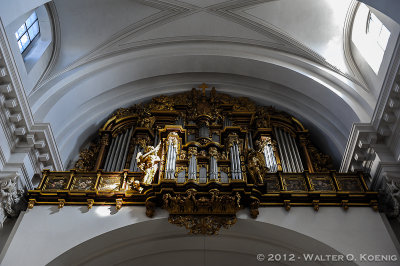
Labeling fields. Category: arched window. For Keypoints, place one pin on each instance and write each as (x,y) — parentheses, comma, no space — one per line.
(27,32)
(370,37)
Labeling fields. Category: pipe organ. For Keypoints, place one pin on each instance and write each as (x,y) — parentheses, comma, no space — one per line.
(206,125)
(196,147)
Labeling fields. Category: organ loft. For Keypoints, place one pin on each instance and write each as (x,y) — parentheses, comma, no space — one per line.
(203,155)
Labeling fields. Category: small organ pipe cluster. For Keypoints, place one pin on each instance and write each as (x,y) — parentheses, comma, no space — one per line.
(203,156)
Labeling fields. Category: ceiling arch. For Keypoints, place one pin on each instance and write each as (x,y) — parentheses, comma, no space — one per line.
(241,47)
(318,95)
(154,241)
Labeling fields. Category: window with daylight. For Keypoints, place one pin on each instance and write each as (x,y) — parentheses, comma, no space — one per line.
(377,31)
(27,32)
(370,36)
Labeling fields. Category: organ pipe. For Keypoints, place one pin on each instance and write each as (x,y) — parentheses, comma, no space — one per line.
(129,135)
(108,158)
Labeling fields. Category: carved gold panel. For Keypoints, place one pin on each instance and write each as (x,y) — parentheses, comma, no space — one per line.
(322,184)
(84,183)
(56,183)
(109,183)
(295,184)
(272,184)
(349,184)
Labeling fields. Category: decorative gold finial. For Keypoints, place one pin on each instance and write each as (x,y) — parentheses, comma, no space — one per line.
(90,203)
(203,87)
(61,203)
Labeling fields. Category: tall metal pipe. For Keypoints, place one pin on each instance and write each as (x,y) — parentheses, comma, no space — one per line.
(106,164)
(295,158)
(121,151)
(133,160)
(122,166)
(289,152)
(239,168)
(233,164)
(281,150)
(115,153)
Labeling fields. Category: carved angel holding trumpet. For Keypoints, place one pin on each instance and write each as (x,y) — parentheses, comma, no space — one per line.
(148,163)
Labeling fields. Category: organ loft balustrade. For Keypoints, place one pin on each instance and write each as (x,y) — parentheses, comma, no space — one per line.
(203,156)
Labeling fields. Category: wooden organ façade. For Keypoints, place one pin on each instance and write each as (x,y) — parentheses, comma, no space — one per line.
(203,156)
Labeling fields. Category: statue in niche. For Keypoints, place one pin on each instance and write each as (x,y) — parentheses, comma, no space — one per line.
(148,163)
(256,166)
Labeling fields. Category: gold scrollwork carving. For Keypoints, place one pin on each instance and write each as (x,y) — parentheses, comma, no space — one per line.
(31,203)
(183,155)
(232,138)
(215,203)
(213,151)
(90,203)
(61,203)
(192,151)
(321,162)
(254,205)
(203,224)
(142,141)
(88,157)
(118,204)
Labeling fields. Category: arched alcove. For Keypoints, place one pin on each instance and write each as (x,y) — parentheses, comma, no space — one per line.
(153,242)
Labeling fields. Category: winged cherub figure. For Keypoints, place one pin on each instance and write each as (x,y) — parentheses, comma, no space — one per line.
(148,163)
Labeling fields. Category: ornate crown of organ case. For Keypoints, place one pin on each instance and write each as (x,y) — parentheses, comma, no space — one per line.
(203,156)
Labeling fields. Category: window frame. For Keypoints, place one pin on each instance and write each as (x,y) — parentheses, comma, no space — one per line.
(27,33)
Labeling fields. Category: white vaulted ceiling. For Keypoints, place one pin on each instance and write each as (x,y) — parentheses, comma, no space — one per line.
(286,53)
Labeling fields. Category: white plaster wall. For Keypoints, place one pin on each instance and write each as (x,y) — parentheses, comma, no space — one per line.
(46,232)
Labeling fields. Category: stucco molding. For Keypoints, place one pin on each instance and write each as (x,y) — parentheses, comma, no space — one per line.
(375,147)
(17,120)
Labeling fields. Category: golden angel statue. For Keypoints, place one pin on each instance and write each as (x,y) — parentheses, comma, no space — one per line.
(148,163)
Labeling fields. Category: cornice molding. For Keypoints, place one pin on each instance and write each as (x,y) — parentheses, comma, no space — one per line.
(388,86)
(24,134)
(375,146)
